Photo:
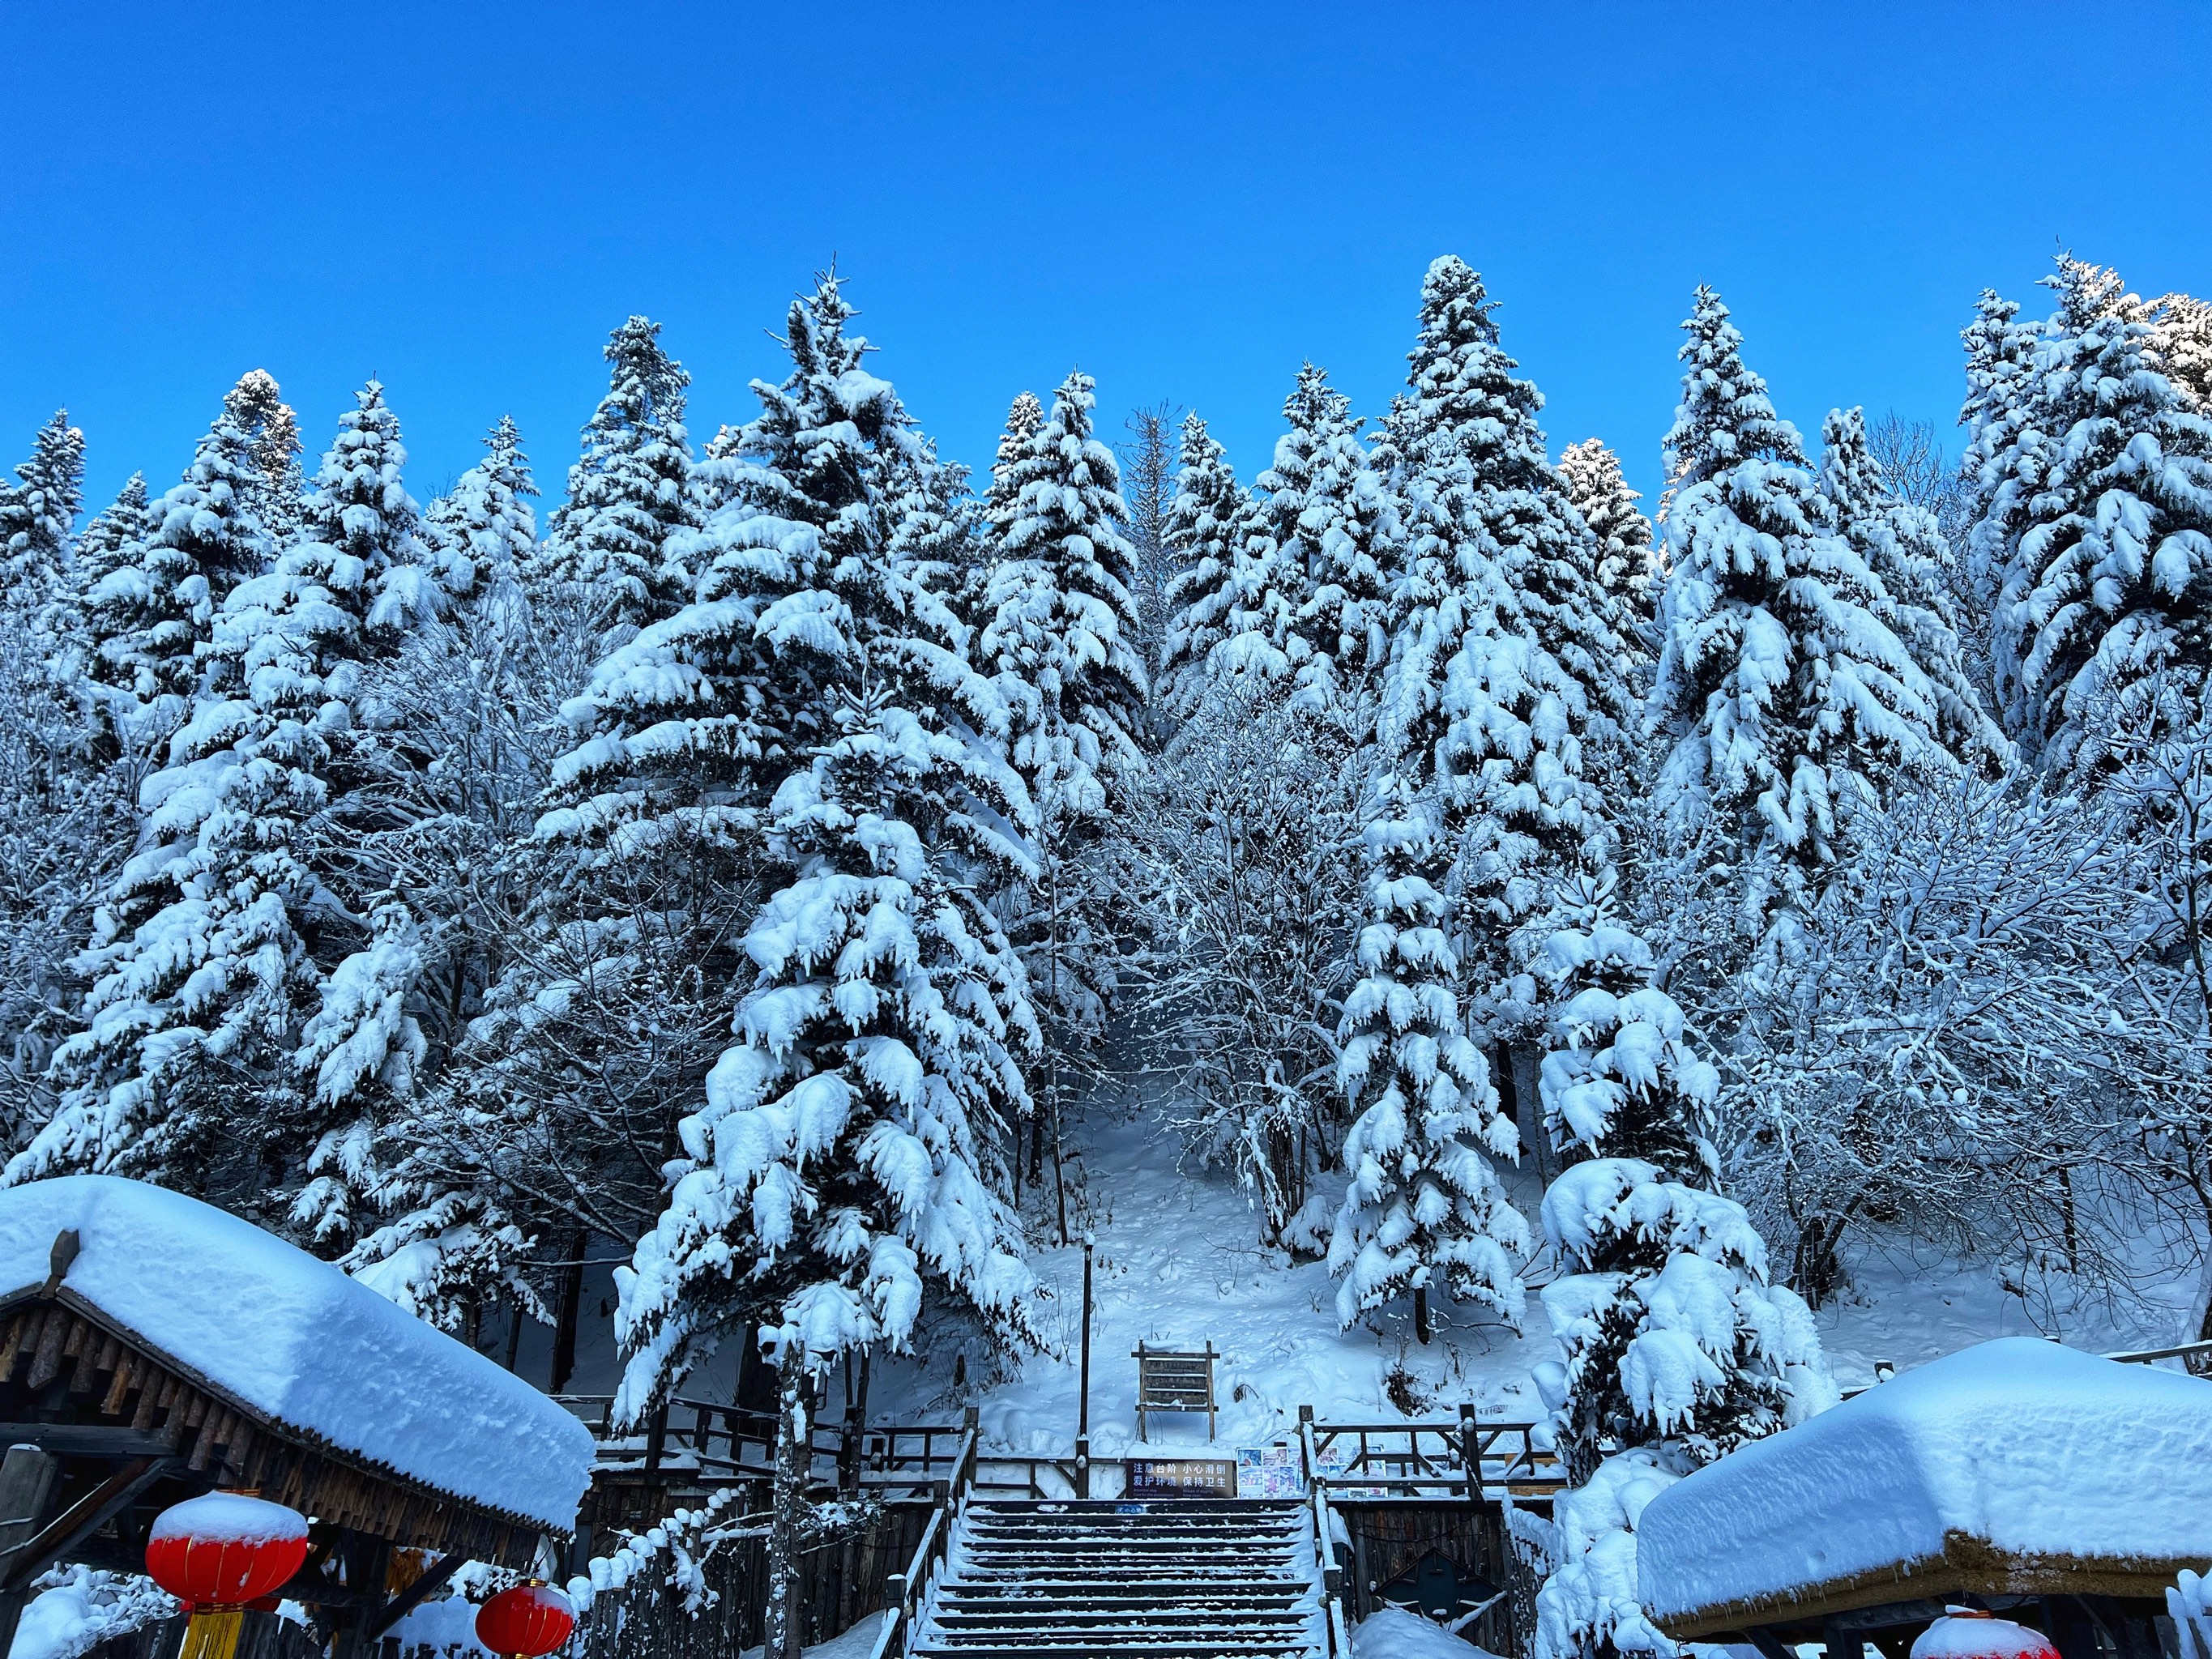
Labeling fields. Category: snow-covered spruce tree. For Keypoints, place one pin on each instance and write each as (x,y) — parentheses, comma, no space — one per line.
(154,616)
(1329,538)
(1425,1211)
(1206,529)
(1782,701)
(38,514)
(1628,564)
(277,492)
(1509,680)
(483,531)
(2102,517)
(1675,1349)
(631,494)
(114,540)
(208,1006)
(1904,548)
(851,1149)
(1061,619)
(2181,336)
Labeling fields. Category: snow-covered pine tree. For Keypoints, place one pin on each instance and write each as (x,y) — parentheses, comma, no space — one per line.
(2181,336)
(1061,619)
(996,512)
(1675,1349)
(38,514)
(483,529)
(631,494)
(155,616)
(851,1148)
(208,1007)
(1205,530)
(1905,547)
(1423,1212)
(1510,679)
(1781,699)
(2100,526)
(280,491)
(1354,551)
(1628,564)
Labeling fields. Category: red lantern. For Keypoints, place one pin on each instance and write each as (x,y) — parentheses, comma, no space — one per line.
(1971,1633)
(217,1552)
(523,1623)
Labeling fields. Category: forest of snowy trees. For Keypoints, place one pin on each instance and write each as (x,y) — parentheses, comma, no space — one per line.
(752,864)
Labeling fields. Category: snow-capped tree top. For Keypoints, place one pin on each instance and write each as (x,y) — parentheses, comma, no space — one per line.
(111,538)
(484,527)
(360,507)
(38,516)
(1601,493)
(632,490)
(1062,609)
(1024,417)
(1725,416)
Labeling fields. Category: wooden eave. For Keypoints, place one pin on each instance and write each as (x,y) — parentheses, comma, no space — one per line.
(50,1335)
(1967,1566)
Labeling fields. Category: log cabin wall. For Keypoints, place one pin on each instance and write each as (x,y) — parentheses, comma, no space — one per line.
(1388,1537)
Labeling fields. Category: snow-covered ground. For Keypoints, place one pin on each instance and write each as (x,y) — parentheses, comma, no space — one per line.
(1178,1263)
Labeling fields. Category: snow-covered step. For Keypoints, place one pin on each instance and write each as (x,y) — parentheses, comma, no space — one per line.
(1210,1579)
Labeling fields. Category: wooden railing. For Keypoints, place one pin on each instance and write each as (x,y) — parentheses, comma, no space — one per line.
(910,1589)
(1466,1458)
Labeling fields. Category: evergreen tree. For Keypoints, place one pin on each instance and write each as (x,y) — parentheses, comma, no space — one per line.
(1509,680)
(632,497)
(1424,1211)
(1675,1349)
(1628,564)
(359,507)
(278,491)
(2099,525)
(38,514)
(1904,548)
(1061,618)
(2181,336)
(1353,546)
(1781,697)
(483,529)
(113,541)
(155,617)
(1206,529)
(849,1152)
(209,1012)
(1149,466)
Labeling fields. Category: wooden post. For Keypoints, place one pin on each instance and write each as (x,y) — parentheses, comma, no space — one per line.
(1083,1390)
(1140,1389)
(1209,1392)
(27,1478)
(1470,1451)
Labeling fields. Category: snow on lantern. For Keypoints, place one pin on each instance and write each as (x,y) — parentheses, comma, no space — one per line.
(1970,1633)
(531,1619)
(217,1552)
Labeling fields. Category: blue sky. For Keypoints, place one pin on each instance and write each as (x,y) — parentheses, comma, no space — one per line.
(1185,200)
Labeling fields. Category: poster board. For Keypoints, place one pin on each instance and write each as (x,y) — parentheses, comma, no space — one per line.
(1269,1472)
(1179,1477)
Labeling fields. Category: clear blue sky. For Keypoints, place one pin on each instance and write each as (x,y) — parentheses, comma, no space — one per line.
(1185,200)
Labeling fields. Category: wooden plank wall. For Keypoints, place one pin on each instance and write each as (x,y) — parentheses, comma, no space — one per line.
(1386,1539)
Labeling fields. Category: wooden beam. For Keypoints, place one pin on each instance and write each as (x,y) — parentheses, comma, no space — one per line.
(54,1540)
(433,1579)
(85,1440)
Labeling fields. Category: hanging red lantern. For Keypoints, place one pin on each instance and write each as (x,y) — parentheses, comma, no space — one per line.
(529,1620)
(1971,1633)
(215,1553)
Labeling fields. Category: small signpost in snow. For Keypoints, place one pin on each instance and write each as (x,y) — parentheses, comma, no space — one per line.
(1172,1381)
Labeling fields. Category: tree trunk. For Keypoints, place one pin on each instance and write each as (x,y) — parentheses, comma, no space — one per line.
(787,1517)
(571,1309)
(1423,1331)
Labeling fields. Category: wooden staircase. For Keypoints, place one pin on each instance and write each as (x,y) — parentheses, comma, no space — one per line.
(1182,1579)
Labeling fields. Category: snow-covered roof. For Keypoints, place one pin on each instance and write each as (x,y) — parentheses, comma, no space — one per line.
(2015,1455)
(296,1341)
